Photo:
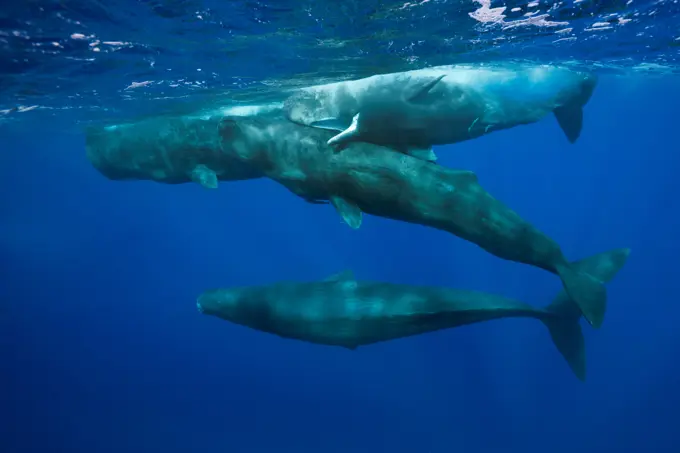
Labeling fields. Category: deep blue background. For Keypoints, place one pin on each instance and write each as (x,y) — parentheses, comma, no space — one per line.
(103,350)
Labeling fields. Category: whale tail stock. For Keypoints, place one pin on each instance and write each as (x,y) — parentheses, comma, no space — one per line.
(564,313)
(570,115)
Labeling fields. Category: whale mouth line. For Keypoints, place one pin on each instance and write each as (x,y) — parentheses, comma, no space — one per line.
(199,307)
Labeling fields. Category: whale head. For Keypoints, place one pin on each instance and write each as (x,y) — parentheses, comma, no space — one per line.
(224,302)
(246,306)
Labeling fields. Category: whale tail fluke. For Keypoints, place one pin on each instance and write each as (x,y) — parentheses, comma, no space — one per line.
(565,331)
(570,119)
(563,323)
(570,115)
(584,282)
(588,292)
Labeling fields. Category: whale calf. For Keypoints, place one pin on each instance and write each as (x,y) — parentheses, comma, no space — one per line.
(414,110)
(370,179)
(341,311)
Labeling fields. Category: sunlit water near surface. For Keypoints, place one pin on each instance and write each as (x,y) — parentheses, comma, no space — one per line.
(83,61)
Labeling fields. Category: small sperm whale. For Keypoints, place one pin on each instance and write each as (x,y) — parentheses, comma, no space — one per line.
(341,311)
(414,110)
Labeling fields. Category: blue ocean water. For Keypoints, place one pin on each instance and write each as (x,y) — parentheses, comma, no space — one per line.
(103,349)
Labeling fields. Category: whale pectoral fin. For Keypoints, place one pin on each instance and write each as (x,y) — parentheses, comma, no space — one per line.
(333,124)
(349,211)
(422,153)
(204,176)
(343,276)
(421,90)
(348,134)
(570,119)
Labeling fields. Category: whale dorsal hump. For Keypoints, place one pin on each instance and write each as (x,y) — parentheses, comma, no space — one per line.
(343,276)
(419,92)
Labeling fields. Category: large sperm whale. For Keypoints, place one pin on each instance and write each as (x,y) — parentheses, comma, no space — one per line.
(414,110)
(342,311)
